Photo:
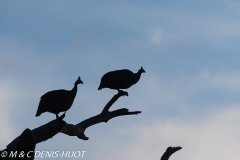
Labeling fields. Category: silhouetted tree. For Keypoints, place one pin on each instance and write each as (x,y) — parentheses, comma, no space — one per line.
(56,126)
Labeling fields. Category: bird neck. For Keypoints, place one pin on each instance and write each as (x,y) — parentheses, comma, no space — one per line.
(74,90)
(138,74)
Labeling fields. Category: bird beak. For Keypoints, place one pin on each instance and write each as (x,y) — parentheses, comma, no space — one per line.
(81,82)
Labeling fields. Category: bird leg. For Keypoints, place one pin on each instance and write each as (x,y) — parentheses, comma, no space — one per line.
(61,117)
(57,116)
(58,119)
(64,114)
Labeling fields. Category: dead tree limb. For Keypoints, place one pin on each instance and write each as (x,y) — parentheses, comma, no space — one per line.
(169,152)
(54,127)
(104,116)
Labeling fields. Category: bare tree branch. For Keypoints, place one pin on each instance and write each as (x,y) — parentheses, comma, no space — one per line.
(48,130)
(104,116)
(58,125)
(52,128)
(169,152)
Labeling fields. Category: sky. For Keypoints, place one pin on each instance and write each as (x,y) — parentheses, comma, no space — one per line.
(189,95)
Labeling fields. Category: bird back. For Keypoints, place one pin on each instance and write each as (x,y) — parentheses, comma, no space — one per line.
(55,101)
(58,100)
(119,79)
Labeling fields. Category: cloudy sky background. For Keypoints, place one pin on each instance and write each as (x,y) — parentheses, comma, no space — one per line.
(189,97)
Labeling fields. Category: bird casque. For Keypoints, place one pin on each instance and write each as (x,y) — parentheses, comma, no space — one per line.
(120,79)
(57,100)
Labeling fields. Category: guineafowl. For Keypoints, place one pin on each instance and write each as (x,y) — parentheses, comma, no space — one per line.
(58,100)
(120,79)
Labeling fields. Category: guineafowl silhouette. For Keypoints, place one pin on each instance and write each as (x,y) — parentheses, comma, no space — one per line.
(120,79)
(57,100)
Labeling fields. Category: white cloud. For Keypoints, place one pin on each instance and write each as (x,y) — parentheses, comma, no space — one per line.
(210,136)
(178,91)
(6,103)
(158,36)
(213,138)
(206,80)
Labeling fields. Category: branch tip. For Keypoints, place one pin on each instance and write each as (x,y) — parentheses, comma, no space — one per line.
(83,136)
(122,93)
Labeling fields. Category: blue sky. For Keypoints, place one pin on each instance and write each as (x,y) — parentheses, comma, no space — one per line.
(189,96)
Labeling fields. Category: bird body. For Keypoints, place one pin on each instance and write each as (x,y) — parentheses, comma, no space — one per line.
(57,101)
(120,79)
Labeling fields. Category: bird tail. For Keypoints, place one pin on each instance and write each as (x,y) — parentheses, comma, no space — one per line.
(38,113)
(100,87)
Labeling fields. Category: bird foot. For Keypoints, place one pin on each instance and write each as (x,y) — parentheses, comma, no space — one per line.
(61,117)
(123,93)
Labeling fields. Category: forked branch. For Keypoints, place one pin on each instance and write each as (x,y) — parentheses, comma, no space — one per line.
(54,127)
(58,125)
(104,116)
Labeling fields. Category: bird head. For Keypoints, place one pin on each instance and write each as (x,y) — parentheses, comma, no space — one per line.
(141,70)
(78,81)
